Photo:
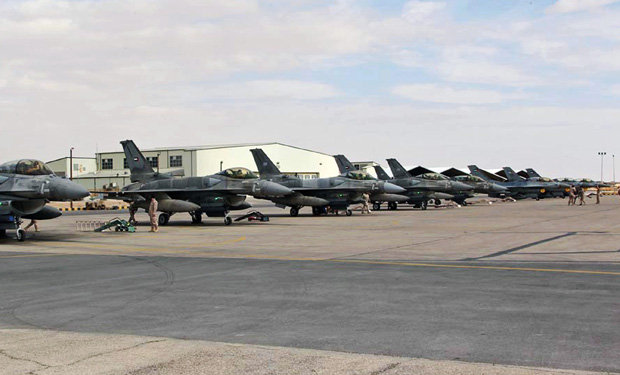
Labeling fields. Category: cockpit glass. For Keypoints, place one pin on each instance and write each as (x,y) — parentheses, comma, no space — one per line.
(359,175)
(238,173)
(433,176)
(545,179)
(468,178)
(28,167)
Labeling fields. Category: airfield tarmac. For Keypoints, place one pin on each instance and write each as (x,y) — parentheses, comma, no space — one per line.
(477,289)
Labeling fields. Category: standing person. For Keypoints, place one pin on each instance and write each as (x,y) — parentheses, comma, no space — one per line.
(581,192)
(598,194)
(153,214)
(365,207)
(132,215)
(32,222)
(571,195)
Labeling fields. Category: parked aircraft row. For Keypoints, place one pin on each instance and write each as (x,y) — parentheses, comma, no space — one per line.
(27,185)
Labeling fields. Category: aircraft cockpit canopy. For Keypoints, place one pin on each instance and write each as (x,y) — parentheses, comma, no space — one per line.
(586,180)
(27,167)
(238,173)
(359,175)
(469,178)
(546,179)
(433,176)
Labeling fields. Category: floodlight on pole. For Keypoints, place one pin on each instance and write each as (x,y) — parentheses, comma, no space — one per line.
(602,155)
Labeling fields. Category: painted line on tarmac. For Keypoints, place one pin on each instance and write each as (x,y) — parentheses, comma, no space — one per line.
(559,270)
(30,255)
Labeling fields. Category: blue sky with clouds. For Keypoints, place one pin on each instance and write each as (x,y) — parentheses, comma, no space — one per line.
(526,83)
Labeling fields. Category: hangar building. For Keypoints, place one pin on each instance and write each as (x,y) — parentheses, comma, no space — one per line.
(111,167)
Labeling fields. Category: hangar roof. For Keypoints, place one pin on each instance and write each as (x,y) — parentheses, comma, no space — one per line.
(213,147)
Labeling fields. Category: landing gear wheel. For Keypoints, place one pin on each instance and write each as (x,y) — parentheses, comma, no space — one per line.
(392,205)
(295,211)
(423,206)
(349,212)
(227,220)
(20,235)
(376,206)
(163,219)
(196,217)
(437,202)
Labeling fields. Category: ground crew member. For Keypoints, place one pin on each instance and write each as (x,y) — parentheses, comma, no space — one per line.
(571,195)
(598,194)
(582,193)
(132,215)
(153,215)
(365,207)
(32,222)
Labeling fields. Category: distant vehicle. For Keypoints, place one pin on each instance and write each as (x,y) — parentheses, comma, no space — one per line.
(425,189)
(517,189)
(214,195)
(26,186)
(335,192)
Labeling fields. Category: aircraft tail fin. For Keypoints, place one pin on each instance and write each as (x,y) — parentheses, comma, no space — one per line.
(381,174)
(344,165)
(138,165)
(397,169)
(265,166)
(532,173)
(511,175)
(477,172)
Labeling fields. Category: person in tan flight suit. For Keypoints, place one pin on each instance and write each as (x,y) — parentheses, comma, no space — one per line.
(153,215)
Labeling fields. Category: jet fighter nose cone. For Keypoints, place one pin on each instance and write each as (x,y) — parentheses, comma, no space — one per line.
(460,186)
(390,188)
(272,189)
(61,189)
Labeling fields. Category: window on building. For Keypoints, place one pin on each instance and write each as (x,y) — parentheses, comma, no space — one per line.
(76,167)
(176,161)
(107,164)
(153,161)
(125,164)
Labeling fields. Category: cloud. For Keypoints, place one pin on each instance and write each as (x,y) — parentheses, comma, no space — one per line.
(569,6)
(444,94)
(271,90)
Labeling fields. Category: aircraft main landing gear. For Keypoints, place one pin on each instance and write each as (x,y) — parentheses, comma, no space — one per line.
(163,218)
(376,206)
(295,211)
(392,206)
(227,220)
(20,235)
(349,212)
(196,217)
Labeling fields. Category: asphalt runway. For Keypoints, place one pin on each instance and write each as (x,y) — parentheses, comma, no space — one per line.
(534,318)
(533,284)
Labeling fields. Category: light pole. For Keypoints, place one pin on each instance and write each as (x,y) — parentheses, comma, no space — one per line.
(71,169)
(602,154)
(613,163)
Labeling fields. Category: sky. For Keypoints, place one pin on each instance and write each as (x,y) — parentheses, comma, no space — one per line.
(521,83)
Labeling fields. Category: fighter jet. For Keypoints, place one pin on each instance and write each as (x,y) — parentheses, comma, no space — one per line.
(336,192)
(214,195)
(517,189)
(479,185)
(583,182)
(557,189)
(424,189)
(26,186)
(550,187)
